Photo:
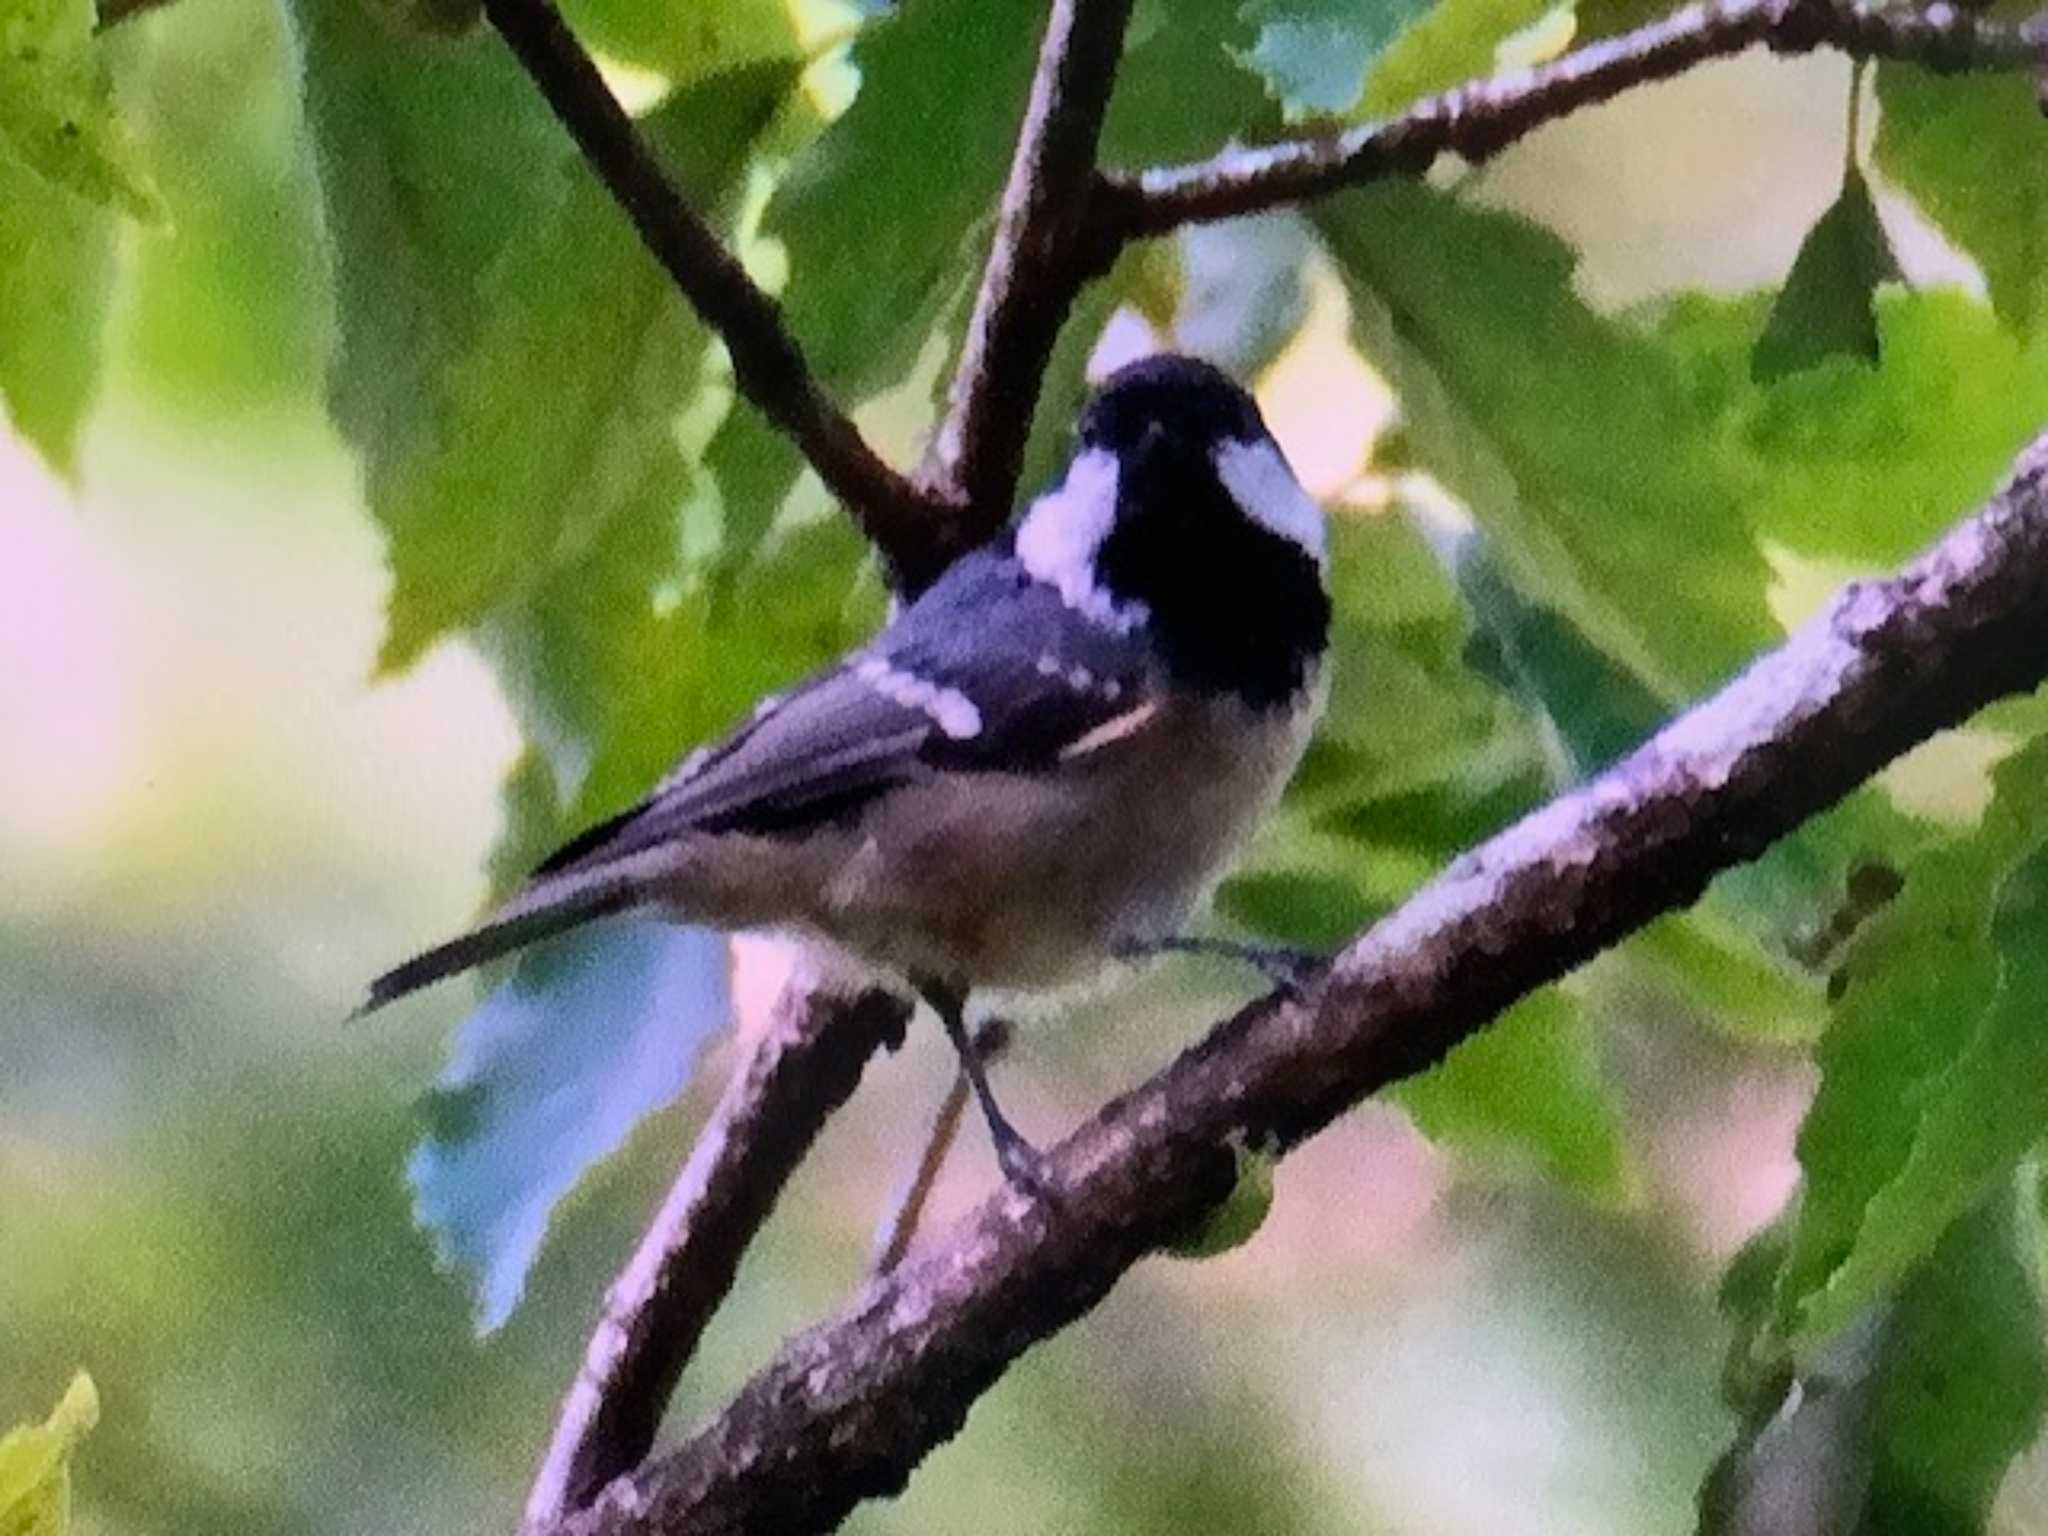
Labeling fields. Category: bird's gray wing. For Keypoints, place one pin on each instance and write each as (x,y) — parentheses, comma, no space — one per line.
(988,672)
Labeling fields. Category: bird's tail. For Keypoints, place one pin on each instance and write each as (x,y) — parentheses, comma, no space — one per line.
(543,909)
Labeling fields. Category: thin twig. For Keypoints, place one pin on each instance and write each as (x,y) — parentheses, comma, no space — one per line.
(847,1409)
(1479,120)
(1033,270)
(768,365)
(894,1234)
(803,1068)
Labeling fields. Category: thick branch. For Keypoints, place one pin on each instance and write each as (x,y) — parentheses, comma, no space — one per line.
(1481,119)
(768,365)
(802,1069)
(1032,273)
(850,1407)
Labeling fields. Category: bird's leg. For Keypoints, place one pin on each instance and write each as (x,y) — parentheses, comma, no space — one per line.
(1288,968)
(1018,1159)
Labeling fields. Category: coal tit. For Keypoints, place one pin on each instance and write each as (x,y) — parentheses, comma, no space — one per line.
(1046,759)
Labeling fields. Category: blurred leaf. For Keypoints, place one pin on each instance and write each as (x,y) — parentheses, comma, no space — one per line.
(1905,1422)
(432,160)
(1442,46)
(1237,1220)
(1598,709)
(1936,993)
(1529,1087)
(60,250)
(35,1464)
(1973,153)
(1964,1382)
(1825,308)
(553,1069)
(1314,54)
(57,109)
(1576,441)
(1604,18)
(876,239)
(686,43)
(561,414)
(1241,298)
(1314,909)
(1869,464)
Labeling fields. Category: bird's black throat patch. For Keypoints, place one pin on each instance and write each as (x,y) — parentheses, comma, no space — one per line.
(1235,606)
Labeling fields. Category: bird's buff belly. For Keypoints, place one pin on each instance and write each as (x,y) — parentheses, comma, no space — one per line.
(1011,880)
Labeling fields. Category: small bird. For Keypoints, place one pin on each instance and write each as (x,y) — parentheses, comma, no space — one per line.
(1045,761)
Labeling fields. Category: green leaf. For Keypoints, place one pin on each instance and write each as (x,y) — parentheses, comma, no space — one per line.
(1977,1119)
(561,414)
(57,109)
(592,1033)
(1905,1423)
(1964,1381)
(1445,45)
(60,250)
(432,160)
(1314,55)
(1181,91)
(1933,994)
(1529,1088)
(1826,307)
(877,240)
(1577,441)
(686,43)
(35,1464)
(1972,150)
(1866,465)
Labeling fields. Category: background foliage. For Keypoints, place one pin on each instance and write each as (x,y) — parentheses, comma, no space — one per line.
(293,297)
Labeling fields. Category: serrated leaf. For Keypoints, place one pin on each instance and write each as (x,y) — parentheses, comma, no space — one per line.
(35,1464)
(1973,153)
(1577,442)
(61,250)
(550,1073)
(1314,55)
(1529,1088)
(1920,996)
(561,414)
(57,110)
(1826,306)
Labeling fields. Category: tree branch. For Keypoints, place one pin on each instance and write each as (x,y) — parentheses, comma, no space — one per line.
(802,1069)
(1033,270)
(1480,119)
(768,365)
(849,1408)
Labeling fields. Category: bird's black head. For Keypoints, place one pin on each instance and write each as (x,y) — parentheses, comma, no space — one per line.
(1180,511)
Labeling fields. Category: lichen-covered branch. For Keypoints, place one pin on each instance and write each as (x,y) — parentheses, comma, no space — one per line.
(1480,119)
(849,1408)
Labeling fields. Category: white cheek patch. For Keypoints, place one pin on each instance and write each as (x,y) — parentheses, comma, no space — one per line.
(1259,480)
(1061,536)
(947,708)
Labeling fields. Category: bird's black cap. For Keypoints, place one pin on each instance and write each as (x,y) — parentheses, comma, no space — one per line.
(1183,395)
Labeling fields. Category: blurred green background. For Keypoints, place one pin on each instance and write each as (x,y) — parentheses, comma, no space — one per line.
(215,823)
